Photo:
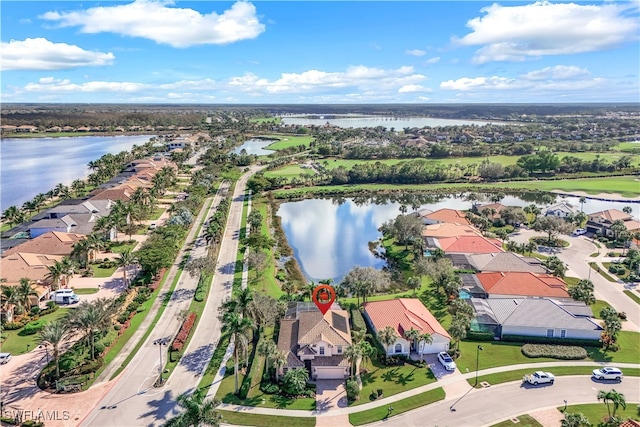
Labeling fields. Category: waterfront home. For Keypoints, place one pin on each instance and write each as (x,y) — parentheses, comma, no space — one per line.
(465,244)
(449,229)
(561,210)
(315,341)
(49,243)
(404,314)
(497,261)
(600,222)
(535,317)
(514,283)
(443,215)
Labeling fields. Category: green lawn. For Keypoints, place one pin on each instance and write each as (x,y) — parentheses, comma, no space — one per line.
(156,213)
(121,247)
(287,140)
(245,419)
(289,171)
(523,421)
(17,344)
(558,371)
(399,407)
(633,295)
(102,272)
(597,307)
(85,291)
(596,412)
(266,120)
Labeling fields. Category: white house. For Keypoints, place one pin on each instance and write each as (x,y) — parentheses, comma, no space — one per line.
(403,314)
(561,210)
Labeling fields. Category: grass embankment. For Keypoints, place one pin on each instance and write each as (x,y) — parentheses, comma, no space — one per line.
(523,421)
(399,407)
(597,412)
(287,140)
(244,419)
(264,282)
(603,273)
(633,295)
(558,371)
(16,342)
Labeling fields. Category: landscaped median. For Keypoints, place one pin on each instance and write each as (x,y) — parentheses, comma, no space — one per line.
(399,407)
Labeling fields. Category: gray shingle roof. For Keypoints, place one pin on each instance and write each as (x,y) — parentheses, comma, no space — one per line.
(541,312)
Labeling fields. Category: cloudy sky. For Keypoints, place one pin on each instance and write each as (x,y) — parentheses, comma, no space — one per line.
(154,51)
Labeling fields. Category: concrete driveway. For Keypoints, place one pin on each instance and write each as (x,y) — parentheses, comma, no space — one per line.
(330,394)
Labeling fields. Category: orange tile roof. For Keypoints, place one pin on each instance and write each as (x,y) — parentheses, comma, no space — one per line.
(449,229)
(523,283)
(50,243)
(449,215)
(19,265)
(470,245)
(403,314)
(611,215)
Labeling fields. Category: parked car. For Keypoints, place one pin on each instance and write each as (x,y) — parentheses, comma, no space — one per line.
(4,358)
(446,361)
(579,232)
(540,377)
(152,226)
(608,373)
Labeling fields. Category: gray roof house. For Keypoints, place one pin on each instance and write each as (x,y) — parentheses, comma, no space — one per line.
(561,210)
(499,261)
(535,317)
(71,216)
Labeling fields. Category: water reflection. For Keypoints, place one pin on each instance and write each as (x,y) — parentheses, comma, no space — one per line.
(255,146)
(331,236)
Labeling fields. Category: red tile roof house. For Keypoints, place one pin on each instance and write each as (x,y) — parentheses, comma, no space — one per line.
(466,245)
(508,284)
(601,222)
(316,342)
(402,314)
(444,215)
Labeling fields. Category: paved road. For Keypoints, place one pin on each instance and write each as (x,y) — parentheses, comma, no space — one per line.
(487,406)
(133,401)
(576,256)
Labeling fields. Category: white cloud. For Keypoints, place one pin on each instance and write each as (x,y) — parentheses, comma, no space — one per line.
(155,20)
(485,83)
(559,72)
(433,60)
(519,32)
(42,54)
(50,84)
(416,52)
(413,88)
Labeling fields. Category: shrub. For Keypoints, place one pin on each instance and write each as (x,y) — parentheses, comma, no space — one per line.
(295,381)
(524,339)
(480,336)
(92,365)
(52,304)
(268,387)
(373,395)
(32,423)
(563,352)
(67,364)
(117,327)
(8,420)
(33,327)
(98,348)
(380,392)
(35,311)
(357,321)
(12,326)
(181,338)
(133,306)
(353,391)
(49,309)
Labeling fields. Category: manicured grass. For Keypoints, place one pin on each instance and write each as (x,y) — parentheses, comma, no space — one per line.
(603,273)
(267,282)
(245,419)
(101,273)
(596,412)
(287,140)
(85,291)
(17,344)
(629,343)
(213,366)
(156,213)
(493,354)
(597,307)
(558,371)
(399,407)
(266,120)
(289,171)
(523,421)
(392,380)
(134,326)
(121,247)
(633,295)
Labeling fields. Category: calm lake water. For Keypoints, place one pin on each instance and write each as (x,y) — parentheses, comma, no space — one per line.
(254,146)
(35,165)
(398,123)
(329,239)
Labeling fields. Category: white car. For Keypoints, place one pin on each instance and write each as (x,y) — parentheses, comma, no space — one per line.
(607,373)
(446,361)
(540,377)
(4,358)
(579,232)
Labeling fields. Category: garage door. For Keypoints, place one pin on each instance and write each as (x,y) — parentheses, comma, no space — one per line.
(329,373)
(435,348)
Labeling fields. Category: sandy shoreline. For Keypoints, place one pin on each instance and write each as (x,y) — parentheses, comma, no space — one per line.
(608,197)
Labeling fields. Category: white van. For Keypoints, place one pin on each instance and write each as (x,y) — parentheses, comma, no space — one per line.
(65,296)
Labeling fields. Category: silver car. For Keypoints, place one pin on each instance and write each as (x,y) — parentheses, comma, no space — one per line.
(4,358)
(607,373)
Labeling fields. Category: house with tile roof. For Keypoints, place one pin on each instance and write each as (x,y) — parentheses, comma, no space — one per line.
(497,261)
(403,314)
(465,244)
(315,341)
(449,229)
(535,317)
(514,283)
(50,243)
(443,215)
(561,210)
(600,222)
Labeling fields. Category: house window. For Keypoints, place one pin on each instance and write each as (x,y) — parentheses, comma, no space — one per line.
(563,333)
(321,351)
(339,349)
(549,333)
(398,348)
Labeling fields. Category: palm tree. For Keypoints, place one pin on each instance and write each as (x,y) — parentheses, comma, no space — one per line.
(125,260)
(614,397)
(54,334)
(279,361)
(412,336)
(13,215)
(56,273)
(353,353)
(239,327)
(24,291)
(414,283)
(198,412)
(582,200)
(387,337)
(10,296)
(267,348)
(92,318)
(427,338)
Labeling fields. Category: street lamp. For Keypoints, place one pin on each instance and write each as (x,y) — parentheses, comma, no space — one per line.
(477,363)
(160,342)
(45,349)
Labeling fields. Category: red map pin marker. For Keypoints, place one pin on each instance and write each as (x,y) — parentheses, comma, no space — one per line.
(323,296)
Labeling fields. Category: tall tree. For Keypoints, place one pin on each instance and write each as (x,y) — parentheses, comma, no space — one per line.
(365,281)
(25,291)
(92,318)
(240,329)
(552,225)
(612,325)
(412,336)
(612,396)
(126,259)
(55,333)
(387,337)
(583,291)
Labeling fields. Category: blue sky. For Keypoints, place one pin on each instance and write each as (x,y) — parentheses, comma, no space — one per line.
(266,52)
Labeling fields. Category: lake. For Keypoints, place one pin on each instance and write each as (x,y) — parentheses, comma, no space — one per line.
(329,238)
(398,123)
(255,146)
(35,165)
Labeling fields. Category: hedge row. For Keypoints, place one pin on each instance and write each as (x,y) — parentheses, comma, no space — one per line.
(357,321)
(544,340)
(181,338)
(480,336)
(562,352)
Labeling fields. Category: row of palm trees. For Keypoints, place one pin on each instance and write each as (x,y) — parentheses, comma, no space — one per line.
(18,296)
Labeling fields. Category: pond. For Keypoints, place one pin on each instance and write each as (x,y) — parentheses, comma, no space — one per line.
(331,236)
(254,146)
(398,123)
